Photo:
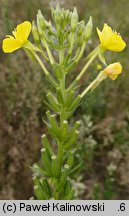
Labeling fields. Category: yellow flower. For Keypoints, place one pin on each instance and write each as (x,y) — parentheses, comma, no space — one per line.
(110,40)
(113,70)
(19,38)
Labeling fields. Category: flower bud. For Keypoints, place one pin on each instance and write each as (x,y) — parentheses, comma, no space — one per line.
(35,32)
(67,14)
(81,28)
(40,20)
(57,14)
(113,70)
(88,29)
(74,19)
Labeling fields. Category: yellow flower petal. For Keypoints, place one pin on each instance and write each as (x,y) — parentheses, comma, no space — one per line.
(113,70)
(106,34)
(113,77)
(10,45)
(22,31)
(21,34)
(110,40)
(99,34)
(119,44)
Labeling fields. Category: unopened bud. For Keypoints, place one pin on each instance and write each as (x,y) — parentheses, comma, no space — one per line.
(35,32)
(40,20)
(88,29)
(74,19)
(57,14)
(67,13)
(81,28)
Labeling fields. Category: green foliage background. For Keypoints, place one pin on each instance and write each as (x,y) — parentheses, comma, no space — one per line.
(104,114)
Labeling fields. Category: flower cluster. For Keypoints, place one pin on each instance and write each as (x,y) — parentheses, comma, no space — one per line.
(109,40)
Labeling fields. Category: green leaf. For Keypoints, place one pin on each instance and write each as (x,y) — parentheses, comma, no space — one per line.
(76,168)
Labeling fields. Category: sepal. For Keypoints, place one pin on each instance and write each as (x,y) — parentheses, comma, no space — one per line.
(88,29)
(35,34)
(101,56)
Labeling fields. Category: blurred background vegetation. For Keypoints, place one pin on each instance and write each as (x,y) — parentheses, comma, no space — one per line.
(104,115)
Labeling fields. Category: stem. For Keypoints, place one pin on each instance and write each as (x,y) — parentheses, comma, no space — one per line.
(89,87)
(61,60)
(72,85)
(71,48)
(81,52)
(41,64)
(45,70)
(61,56)
(95,83)
(52,61)
(82,72)
(86,66)
(43,54)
